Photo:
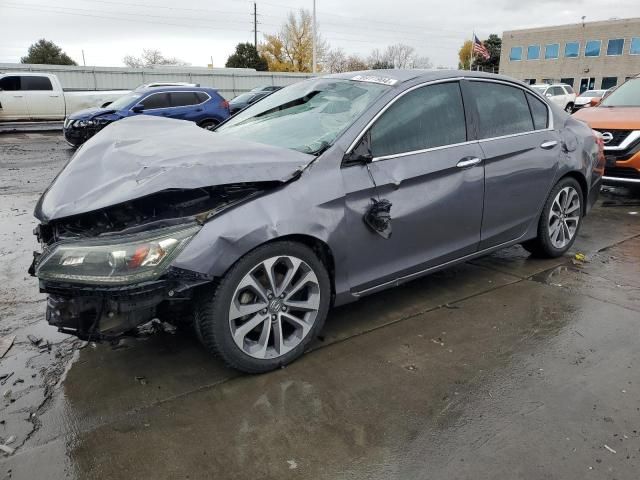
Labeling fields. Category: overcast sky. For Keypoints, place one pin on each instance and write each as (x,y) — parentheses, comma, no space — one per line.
(196,30)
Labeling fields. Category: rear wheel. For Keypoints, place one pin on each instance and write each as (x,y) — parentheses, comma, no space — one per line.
(267,308)
(560,220)
(208,124)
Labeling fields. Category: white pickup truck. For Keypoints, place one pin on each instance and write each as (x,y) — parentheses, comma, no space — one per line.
(39,96)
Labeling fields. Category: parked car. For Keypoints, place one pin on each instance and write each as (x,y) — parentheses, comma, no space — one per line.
(617,117)
(252,96)
(324,192)
(203,106)
(590,98)
(39,96)
(559,93)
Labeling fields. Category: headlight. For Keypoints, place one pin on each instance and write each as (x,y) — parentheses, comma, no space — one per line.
(130,259)
(86,123)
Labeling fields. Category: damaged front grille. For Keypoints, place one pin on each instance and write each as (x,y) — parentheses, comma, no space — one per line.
(162,209)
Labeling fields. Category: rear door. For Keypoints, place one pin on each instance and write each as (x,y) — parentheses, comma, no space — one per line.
(43,101)
(13,103)
(521,152)
(431,172)
(185,106)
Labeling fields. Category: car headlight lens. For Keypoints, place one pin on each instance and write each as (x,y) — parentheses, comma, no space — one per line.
(86,123)
(125,260)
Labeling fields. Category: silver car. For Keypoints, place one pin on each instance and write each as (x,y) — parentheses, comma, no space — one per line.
(325,192)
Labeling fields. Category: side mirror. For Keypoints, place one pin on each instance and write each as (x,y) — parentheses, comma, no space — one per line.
(594,102)
(105,104)
(361,154)
(137,108)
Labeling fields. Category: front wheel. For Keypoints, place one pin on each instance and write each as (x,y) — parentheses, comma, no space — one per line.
(560,220)
(569,108)
(267,308)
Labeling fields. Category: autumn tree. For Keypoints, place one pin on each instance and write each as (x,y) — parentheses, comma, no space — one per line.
(151,57)
(464,55)
(246,56)
(47,52)
(291,49)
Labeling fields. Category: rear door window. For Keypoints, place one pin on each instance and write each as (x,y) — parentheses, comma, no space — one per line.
(156,100)
(36,83)
(183,99)
(502,109)
(10,84)
(430,116)
(202,97)
(539,112)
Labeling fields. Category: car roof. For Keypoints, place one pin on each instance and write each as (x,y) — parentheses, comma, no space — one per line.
(405,75)
(176,88)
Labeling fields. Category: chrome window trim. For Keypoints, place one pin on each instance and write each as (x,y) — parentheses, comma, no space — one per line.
(177,91)
(366,128)
(424,150)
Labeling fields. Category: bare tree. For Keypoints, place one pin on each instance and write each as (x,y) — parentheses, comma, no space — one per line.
(420,62)
(151,57)
(400,55)
(335,61)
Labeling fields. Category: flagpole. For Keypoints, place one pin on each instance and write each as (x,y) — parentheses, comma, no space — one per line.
(473,39)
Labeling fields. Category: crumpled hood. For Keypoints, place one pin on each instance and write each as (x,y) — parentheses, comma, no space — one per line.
(142,155)
(89,113)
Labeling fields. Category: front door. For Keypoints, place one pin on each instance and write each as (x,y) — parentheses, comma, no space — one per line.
(43,101)
(13,104)
(424,165)
(521,158)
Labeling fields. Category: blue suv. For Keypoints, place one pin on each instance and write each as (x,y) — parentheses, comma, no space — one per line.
(203,106)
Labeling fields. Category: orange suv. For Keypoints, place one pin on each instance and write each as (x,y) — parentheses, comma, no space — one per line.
(617,118)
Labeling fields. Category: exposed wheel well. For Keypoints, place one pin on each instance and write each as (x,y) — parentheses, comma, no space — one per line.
(320,248)
(583,185)
(206,120)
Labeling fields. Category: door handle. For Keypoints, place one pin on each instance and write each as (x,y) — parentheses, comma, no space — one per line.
(468,162)
(18,96)
(54,96)
(549,145)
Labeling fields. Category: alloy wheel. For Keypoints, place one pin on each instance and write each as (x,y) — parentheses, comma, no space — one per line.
(274,307)
(564,217)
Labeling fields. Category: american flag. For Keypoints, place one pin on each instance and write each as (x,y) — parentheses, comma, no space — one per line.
(480,49)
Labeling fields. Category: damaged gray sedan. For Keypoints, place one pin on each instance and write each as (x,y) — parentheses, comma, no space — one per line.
(324,192)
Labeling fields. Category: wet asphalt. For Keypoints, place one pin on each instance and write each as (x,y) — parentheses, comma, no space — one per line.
(505,367)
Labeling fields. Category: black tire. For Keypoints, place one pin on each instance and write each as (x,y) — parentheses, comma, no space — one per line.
(212,309)
(543,245)
(208,124)
(569,108)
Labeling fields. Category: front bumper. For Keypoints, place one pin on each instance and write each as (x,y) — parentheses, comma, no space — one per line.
(622,165)
(76,135)
(107,313)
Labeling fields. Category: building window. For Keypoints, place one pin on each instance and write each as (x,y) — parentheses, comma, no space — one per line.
(608,82)
(551,51)
(516,54)
(592,48)
(567,81)
(615,46)
(634,49)
(548,81)
(572,49)
(533,52)
(530,81)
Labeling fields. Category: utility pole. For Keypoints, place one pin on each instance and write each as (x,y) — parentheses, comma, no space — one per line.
(83,62)
(313,69)
(255,25)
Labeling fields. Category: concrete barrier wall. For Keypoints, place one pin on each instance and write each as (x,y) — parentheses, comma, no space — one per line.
(229,81)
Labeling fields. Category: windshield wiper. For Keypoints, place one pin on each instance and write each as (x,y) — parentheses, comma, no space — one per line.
(324,146)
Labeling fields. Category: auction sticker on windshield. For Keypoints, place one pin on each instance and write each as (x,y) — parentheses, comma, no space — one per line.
(375,79)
